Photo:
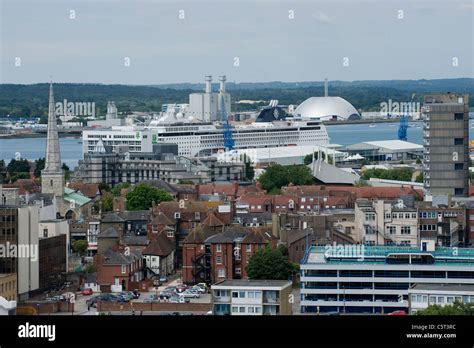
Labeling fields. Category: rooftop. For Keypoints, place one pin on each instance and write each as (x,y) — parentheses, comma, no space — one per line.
(444,287)
(254,283)
(380,254)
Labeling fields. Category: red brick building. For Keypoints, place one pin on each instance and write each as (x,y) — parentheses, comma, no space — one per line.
(211,256)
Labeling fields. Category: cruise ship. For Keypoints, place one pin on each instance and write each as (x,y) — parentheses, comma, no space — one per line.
(272,128)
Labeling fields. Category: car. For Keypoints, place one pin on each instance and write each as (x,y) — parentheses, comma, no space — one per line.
(189,294)
(163,279)
(178,300)
(151,298)
(202,285)
(181,288)
(87,291)
(199,289)
(136,294)
(164,295)
(398,313)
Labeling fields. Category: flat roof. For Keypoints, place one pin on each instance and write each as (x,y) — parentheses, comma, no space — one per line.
(253,283)
(395,145)
(443,287)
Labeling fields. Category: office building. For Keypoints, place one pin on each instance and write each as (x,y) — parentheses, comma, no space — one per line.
(251,297)
(446,136)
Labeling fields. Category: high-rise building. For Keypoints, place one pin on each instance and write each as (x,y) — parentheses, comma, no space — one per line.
(52,176)
(446,136)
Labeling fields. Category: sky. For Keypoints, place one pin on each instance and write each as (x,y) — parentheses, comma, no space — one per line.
(154,42)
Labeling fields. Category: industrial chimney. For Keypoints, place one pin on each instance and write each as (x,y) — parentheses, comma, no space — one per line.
(222,80)
(208,84)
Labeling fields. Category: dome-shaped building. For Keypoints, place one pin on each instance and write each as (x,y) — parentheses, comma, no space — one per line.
(327,109)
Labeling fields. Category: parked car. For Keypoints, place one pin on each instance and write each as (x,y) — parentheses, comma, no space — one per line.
(398,313)
(190,294)
(164,295)
(179,300)
(202,285)
(163,279)
(151,298)
(136,294)
(181,288)
(199,289)
(87,292)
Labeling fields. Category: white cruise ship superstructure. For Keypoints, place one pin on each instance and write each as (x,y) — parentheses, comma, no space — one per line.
(272,128)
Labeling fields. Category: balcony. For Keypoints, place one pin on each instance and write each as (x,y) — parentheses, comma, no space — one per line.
(271,300)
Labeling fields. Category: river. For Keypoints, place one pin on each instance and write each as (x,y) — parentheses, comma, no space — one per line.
(71,148)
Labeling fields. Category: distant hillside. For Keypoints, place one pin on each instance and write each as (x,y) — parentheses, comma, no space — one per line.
(32,100)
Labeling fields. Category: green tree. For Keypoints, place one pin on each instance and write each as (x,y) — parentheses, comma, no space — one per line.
(418,161)
(107,202)
(269,263)
(299,175)
(39,166)
(3,172)
(401,174)
(80,246)
(18,166)
(249,171)
(117,188)
(277,176)
(457,308)
(143,195)
(419,177)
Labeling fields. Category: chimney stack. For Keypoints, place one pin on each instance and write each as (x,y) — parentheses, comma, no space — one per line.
(208,84)
(222,80)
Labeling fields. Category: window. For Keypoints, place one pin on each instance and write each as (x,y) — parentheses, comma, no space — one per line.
(458,166)
(432,299)
(123,269)
(459,191)
(45,233)
(251,294)
(219,260)
(406,229)
(440,299)
(235,309)
(394,216)
(458,116)
(392,229)
(218,248)
(221,273)
(413,215)
(450,299)
(458,141)
(170,234)
(238,271)
(387,216)
(235,294)
(370,217)
(241,309)
(241,294)
(197,215)
(407,215)
(258,310)
(251,310)
(369,230)
(248,248)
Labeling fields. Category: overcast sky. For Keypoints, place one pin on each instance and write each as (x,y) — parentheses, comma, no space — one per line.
(368,36)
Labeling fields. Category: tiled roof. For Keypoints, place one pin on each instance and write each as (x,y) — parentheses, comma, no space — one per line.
(199,235)
(112,217)
(161,246)
(109,233)
(88,190)
(212,220)
(112,257)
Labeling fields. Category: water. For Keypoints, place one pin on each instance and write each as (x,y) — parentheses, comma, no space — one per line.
(34,148)
(349,134)
(71,148)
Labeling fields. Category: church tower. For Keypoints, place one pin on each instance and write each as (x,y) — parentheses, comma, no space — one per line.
(52,176)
